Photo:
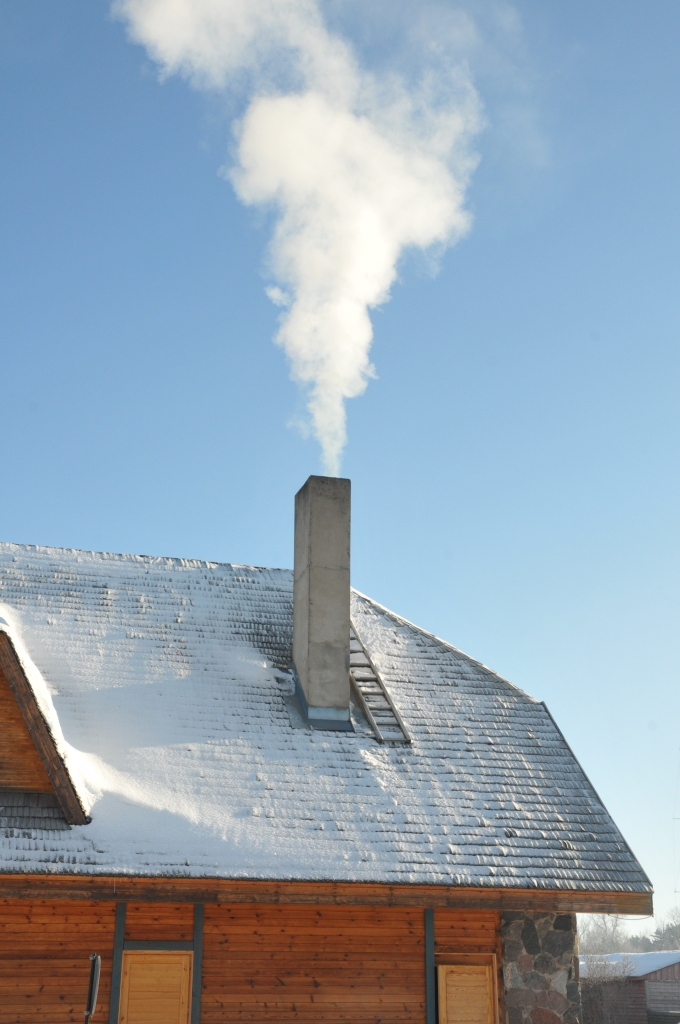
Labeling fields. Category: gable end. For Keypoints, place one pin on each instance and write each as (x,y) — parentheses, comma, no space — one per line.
(56,777)
(21,767)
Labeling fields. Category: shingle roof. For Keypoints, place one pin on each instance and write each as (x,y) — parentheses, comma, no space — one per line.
(172,709)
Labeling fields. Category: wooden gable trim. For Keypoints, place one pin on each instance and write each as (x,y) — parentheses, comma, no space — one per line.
(39,732)
(217,890)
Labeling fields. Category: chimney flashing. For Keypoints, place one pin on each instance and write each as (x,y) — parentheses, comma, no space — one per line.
(324,719)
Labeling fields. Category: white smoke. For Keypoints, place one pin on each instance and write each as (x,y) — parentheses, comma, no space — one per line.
(358,167)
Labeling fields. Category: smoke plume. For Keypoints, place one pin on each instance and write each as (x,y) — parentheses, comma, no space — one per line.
(358,166)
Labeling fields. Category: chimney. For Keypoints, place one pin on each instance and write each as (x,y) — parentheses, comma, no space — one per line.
(321,601)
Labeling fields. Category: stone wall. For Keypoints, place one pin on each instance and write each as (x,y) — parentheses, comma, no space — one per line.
(540,968)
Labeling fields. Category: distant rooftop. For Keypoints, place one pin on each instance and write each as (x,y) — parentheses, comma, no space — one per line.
(633,965)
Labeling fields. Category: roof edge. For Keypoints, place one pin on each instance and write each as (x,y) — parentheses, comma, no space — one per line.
(597,795)
(125,556)
(443,643)
(220,890)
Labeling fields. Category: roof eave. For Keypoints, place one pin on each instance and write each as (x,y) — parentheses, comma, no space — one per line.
(222,890)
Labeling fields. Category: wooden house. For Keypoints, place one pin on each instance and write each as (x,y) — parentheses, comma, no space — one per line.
(260,796)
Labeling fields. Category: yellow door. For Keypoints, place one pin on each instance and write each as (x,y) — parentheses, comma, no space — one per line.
(466,994)
(155,988)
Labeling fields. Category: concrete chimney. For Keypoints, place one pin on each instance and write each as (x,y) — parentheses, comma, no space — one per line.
(321,601)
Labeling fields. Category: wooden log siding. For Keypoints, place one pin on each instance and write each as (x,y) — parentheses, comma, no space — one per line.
(459,931)
(44,959)
(260,962)
(20,764)
(331,964)
(160,922)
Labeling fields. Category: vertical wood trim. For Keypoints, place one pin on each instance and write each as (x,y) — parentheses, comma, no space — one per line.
(198,964)
(500,980)
(430,975)
(117,967)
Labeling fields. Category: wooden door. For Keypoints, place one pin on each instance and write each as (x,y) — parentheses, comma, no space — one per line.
(155,987)
(466,994)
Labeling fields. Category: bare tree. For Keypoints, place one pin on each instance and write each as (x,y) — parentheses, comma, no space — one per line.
(598,934)
(666,935)
(601,934)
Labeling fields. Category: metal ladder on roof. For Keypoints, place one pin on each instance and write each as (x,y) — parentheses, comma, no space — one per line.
(376,703)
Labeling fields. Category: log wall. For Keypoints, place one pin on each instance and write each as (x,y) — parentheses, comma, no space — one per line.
(261,962)
(460,931)
(20,764)
(160,921)
(334,964)
(44,965)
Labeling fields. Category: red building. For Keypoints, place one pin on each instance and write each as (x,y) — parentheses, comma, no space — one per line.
(636,988)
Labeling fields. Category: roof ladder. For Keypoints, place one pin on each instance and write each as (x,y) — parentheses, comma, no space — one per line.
(376,703)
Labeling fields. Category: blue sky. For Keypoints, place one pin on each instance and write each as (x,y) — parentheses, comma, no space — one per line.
(515,462)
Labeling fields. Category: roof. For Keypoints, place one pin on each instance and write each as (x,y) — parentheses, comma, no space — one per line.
(632,965)
(165,685)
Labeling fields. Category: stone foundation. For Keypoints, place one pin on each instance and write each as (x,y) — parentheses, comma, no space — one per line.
(540,968)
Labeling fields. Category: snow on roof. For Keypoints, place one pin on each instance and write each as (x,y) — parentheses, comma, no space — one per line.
(632,965)
(166,683)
